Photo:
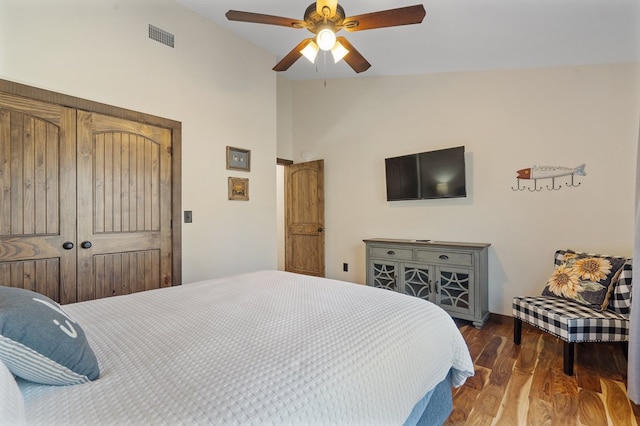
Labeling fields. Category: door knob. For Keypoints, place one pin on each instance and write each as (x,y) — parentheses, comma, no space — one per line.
(320,229)
(85,244)
(67,245)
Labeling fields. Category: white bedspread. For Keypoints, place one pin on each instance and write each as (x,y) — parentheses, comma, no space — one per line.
(260,348)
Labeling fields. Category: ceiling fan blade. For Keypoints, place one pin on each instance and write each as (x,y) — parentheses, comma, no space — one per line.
(259,18)
(331,4)
(354,58)
(385,18)
(292,56)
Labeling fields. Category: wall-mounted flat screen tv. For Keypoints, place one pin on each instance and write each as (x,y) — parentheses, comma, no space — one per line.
(426,175)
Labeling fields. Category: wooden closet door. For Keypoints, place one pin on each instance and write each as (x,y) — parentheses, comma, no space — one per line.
(37,197)
(124,206)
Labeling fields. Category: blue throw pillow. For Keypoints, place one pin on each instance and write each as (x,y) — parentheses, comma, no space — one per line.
(39,342)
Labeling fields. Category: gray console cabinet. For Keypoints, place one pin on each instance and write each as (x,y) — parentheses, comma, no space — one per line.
(452,275)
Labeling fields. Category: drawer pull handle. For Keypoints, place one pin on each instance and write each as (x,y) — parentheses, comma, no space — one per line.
(391,253)
(444,257)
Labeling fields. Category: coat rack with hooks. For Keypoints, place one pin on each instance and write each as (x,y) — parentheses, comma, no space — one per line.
(536,173)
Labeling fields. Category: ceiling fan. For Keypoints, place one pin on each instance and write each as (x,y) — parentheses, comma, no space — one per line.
(325,18)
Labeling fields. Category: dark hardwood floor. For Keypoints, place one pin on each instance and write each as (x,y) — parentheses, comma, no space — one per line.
(526,385)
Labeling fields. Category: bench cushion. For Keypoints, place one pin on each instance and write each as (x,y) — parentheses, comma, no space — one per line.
(570,320)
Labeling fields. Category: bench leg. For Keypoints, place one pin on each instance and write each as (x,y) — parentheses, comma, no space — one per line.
(517,330)
(568,358)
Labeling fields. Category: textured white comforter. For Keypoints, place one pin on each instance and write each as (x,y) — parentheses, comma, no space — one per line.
(260,348)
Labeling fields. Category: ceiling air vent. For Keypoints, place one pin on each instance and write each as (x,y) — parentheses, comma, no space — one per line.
(160,35)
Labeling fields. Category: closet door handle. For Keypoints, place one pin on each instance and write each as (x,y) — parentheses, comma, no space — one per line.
(67,245)
(85,244)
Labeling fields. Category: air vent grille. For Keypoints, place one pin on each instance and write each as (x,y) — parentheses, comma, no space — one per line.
(161,35)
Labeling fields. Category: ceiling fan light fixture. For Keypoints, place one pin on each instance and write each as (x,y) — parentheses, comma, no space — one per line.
(326,39)
(338,51)
(310,51)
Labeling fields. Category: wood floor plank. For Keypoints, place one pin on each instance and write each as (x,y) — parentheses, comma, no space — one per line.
(542,382)
(489,400)
(526,385)
(479,419)
(589,379)
(490,352)
(604,356)
(480,379)
(462,405)
(591,409)
(476,345)
(515,404)
(617,404)
(540,413)
(565,398)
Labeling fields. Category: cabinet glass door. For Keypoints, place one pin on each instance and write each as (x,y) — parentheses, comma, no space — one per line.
(384,274)
(416,281)
(455,289)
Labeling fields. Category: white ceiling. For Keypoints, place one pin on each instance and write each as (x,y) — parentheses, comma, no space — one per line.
(456,35)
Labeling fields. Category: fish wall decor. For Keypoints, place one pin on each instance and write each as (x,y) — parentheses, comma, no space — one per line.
(548,172)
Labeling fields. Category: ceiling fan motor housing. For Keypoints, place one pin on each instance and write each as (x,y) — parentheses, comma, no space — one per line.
(315,21)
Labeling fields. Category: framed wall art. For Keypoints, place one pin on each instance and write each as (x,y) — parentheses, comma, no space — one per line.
(239,188)
(238,159)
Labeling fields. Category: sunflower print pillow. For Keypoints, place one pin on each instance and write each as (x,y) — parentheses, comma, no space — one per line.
(588,279)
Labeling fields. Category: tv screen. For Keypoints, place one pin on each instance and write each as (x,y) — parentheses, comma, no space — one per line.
(426,175)
(402,178)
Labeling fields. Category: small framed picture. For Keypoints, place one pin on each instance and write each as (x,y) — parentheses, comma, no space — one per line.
(239,188)
(238,159)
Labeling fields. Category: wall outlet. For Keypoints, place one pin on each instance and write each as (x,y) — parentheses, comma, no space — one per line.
(345,267)
(188,216)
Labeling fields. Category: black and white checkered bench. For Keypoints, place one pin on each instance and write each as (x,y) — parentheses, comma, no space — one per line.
(573,322)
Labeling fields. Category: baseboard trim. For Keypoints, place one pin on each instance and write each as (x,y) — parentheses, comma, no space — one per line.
(500,319)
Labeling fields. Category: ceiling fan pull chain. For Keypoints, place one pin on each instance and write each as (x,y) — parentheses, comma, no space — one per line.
(324,56)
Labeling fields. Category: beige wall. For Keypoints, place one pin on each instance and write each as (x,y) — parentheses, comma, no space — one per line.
(223,91)
(285,115)
(219,86)
(507,120)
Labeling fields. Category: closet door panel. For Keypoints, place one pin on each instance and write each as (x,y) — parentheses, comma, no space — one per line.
(37,215)
(124,206)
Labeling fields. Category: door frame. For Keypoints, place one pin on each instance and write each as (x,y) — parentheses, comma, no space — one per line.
(175,127)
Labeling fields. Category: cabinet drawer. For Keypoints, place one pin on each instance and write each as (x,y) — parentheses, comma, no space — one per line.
(449,257)
(391,253)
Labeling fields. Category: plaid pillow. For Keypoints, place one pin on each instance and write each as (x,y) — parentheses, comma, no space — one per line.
(620,301)
(588,279)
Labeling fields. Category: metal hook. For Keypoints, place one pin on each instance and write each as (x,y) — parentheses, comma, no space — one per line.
(518,188)
(535,186)
(572,184)
(553,185)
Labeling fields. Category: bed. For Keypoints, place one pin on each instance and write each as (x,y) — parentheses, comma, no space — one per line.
(266,347)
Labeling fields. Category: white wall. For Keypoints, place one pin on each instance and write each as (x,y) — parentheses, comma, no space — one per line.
(285,117)
(507,120)
(220,87)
